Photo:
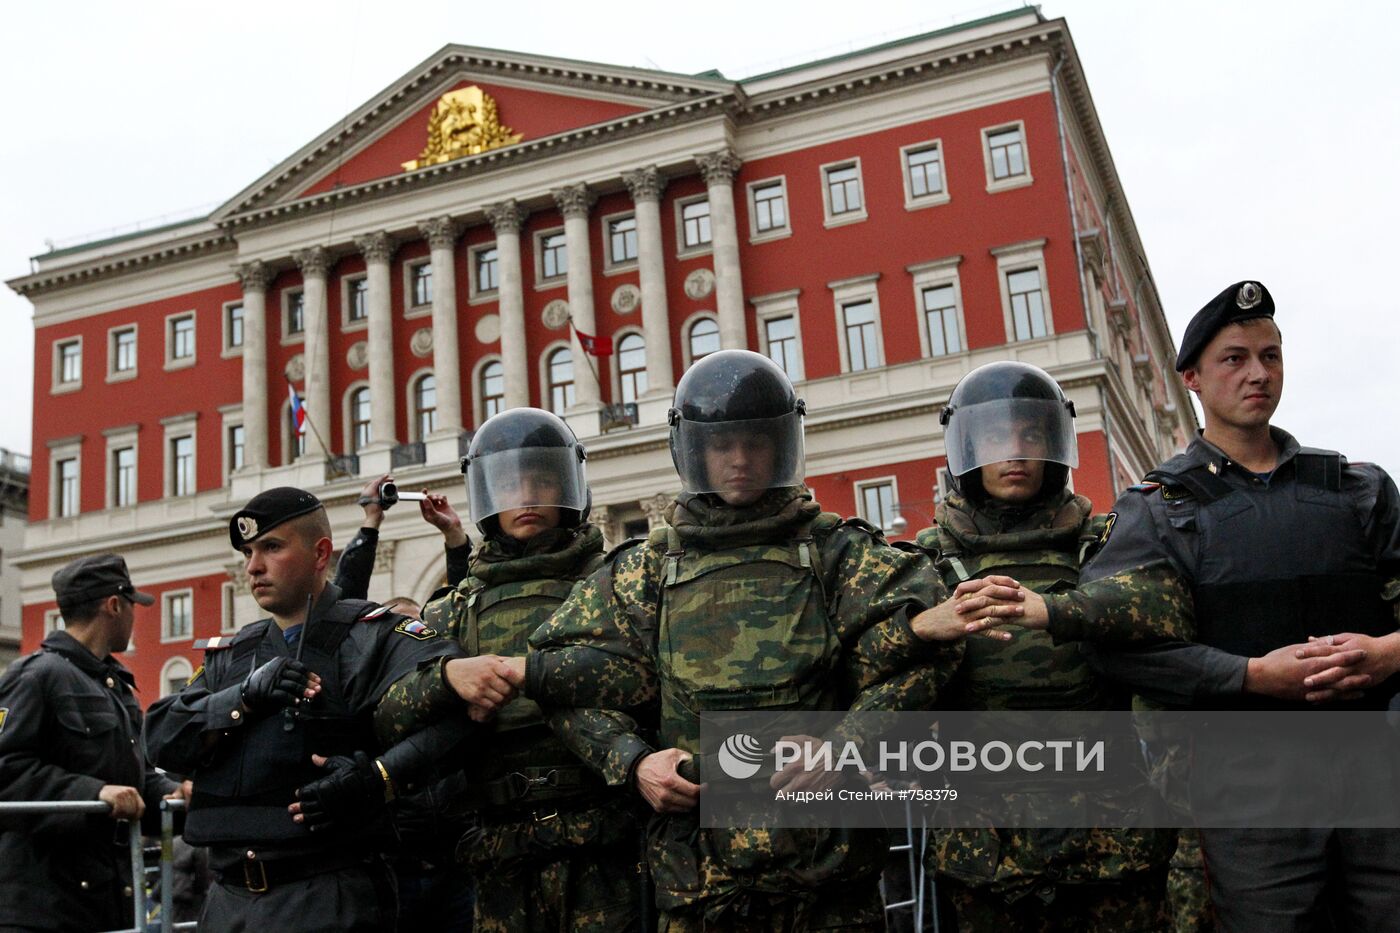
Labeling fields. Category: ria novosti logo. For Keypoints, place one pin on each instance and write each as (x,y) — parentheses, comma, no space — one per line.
(741,756)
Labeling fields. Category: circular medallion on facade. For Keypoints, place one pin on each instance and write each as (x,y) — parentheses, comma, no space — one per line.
(699,284)
(555,314)
(421,343)
(488,329)
(296,368)
(358,354)
(626,299)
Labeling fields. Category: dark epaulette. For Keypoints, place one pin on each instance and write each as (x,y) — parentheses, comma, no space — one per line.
(374,613)
(1145,487)
(1318,467)
(253,630)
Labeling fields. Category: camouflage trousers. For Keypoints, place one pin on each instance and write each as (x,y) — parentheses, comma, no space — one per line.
(1188,900)
(848,908)
(1134,904)
(589,890)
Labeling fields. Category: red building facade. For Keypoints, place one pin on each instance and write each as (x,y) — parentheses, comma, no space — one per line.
(879,223)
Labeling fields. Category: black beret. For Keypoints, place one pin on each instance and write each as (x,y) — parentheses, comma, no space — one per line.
(96,577)
(266,511)
(1242,301)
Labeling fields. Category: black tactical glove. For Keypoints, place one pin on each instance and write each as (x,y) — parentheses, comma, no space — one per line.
(353,789)
(278,683)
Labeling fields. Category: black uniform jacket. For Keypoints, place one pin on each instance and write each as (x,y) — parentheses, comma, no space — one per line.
(69,723)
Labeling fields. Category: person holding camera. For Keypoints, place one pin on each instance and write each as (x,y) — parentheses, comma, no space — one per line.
(356,564)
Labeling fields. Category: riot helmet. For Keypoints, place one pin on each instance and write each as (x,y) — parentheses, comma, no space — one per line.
(525,458)
(1009,411)
(736,427)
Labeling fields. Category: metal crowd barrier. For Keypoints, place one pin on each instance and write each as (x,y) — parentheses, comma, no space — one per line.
(921,891)
(139,918)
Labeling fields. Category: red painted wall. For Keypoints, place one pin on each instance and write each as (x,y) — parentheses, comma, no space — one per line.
(531,113)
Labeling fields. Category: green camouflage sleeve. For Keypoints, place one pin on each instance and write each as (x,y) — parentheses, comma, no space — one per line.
(418,699)
(609,742)
(1133,606)
(596,649)
(873,591)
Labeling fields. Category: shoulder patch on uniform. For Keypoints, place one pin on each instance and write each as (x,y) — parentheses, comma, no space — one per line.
(1109,522)
(213,644)
(195,676)
(1173,493)
(1144,487)
(374,613)
(4,715)
(415,629)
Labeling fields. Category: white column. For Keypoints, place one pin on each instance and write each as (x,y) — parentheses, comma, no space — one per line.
(378,249)
(574,202)
(507,219)
(645,186)
(315,263)
(441,234)
(719,169)
(256,277)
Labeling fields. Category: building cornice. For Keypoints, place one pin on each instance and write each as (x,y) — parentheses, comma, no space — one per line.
(205,243)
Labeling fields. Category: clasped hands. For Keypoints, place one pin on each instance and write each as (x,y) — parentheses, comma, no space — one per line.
(980,607)
(486,682)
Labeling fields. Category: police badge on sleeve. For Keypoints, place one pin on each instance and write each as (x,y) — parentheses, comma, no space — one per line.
(415,629)
(4,715)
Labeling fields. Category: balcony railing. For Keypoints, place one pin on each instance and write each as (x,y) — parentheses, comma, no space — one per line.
(620,415)
(414,453)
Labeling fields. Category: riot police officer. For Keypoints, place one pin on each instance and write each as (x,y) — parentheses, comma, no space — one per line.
(275,730)
(1010,439)
(555,847)
(1270,564)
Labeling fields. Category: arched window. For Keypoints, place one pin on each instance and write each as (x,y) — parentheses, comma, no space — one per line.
(561,380)
(425,406)
(493,388)
(174,675)
(632,366)
(359,419)
(704,338)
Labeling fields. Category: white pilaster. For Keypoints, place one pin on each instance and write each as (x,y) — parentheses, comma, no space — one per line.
(256,277)
(507,219)
(575,202)
(315,264)
(646,186)
(441,234)
(719,169)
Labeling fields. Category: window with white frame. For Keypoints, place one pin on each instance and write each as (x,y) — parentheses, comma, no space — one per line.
(632,367)
(236,440)
(68,364)
(66,487)
(424,406)
(1023,287)
(876,501)
(493,389)
(359,420)
(768,206)
(486,269)
(123,477)
(233,327)
(182,465)
(1005,156)
(695,223)
(703,338)
(227,619)
(780,335)
(560,367)
(356,299)
(174,675)
(179,336)
(924,182)
(123,350)
(293,313)
(944,485)
(177,615)
(420,284)
(841,192)
(53,622)
(622,239)
(858,329)
(940,307)
(554,255)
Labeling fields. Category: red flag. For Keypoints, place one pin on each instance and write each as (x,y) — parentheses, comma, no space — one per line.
(594,346)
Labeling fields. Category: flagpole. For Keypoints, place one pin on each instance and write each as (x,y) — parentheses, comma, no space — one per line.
(597,379)
(306,413)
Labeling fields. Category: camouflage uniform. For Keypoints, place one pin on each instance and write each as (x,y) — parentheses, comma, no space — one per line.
(554,848)
(1022,879)
(774,605)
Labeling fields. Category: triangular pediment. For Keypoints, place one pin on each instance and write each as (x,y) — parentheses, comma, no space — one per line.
(530,98)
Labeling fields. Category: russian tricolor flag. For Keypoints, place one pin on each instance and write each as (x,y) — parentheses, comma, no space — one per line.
(298,409)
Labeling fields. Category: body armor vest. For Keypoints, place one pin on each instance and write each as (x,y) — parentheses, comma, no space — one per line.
(527,765)
(1276,562)
(242,796)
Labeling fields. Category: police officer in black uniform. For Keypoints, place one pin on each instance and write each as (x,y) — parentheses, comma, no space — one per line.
(69,730)
(275,730)
(1281,558)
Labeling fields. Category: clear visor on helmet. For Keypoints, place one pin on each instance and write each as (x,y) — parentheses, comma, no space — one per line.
(528,477)
(1010,429)
(740,457)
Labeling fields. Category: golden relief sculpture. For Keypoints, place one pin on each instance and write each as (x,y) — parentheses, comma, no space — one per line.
(463,123)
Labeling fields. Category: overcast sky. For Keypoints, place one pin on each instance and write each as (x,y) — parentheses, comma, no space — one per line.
(1253,139)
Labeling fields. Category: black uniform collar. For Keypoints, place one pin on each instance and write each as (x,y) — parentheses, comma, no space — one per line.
(65,644)
(1202,452)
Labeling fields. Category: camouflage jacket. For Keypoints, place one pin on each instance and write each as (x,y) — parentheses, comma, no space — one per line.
(1042,548)
(600,651)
